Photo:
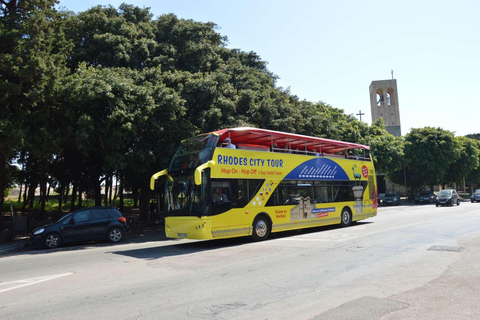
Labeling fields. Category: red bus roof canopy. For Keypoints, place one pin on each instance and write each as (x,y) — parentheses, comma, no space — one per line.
(282,140)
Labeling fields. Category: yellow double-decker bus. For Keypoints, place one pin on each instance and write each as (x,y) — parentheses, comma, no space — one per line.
(252,182)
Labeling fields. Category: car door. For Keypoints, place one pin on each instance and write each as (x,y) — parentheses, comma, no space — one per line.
(100,218)
(77,228)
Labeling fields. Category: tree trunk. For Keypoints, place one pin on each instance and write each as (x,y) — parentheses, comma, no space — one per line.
(79,196)
(43,188)
(116,187)
(48,191)
(74,196)
(120,205)
(97,189)
(144,202)
(3,177)
(105,199)
(67,191)
(31,193)
(60,196)
(43,196)
(111,187)
(20,193)
(135,197)
(25,191)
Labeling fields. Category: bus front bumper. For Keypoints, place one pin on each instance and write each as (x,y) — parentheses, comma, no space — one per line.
(188,228)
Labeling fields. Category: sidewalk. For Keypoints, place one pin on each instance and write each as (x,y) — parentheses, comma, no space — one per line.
(13,246)
(139,232)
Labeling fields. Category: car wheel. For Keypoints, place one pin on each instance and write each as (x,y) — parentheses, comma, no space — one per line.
(436,205)
(52,240)
(115,235)
(261,228)
(346,217)
(458,202)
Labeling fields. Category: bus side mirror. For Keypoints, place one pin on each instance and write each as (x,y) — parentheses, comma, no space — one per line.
(157,175)
(198,171)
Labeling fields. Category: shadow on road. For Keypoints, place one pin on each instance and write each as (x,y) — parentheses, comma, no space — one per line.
(177,247)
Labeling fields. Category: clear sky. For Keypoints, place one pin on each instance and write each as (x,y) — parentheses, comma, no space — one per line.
(331,51)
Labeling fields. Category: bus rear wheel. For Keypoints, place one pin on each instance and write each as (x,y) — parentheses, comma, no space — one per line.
(346,217)
(261,228)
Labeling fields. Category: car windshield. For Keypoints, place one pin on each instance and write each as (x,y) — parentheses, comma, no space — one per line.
(391,194)
(445,193)
(424,193)
(477,191)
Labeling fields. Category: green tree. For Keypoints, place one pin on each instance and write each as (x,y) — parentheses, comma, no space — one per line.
(33,52)
(467,161)
(121,120)
(473,179)
(429,154)
(107,37)
(387,150)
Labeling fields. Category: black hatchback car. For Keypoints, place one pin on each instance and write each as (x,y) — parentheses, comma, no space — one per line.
(447,197)
(86,224)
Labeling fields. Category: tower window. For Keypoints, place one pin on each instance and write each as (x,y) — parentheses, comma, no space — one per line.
(390,96)
(379,97)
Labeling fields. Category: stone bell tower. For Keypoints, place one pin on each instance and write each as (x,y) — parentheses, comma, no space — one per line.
(384,104)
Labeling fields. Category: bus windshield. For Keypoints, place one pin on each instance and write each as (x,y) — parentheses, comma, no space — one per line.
(183,197)
(192,153)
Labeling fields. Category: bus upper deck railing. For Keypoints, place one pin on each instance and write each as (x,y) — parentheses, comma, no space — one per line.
(348,156)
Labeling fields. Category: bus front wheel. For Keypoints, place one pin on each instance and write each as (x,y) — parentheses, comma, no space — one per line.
(346,218)
(261,228)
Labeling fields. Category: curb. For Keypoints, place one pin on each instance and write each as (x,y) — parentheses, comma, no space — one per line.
(13,248)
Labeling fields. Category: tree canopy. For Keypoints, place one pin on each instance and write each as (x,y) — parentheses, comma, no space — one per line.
(111,92)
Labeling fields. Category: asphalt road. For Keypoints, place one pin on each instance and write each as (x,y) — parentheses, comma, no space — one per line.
(409,262)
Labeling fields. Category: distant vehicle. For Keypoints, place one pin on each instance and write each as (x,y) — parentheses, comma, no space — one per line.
(475,196)
(425,197)
(447,197)
(86,224)
(391,198)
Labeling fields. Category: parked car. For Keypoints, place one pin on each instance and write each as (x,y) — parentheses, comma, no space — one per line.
(391,198)
(86,224)
(475,196)
(425,197)
(447,197)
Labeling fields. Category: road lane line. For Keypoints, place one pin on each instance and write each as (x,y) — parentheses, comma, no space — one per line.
(31,281)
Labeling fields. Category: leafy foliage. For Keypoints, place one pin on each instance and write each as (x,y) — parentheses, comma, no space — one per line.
(111,92)
(33,51)
(429,155)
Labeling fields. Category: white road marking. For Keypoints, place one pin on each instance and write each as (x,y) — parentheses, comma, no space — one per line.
(28,282)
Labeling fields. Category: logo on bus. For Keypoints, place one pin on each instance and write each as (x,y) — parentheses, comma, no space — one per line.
(365,171)
(323,212)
